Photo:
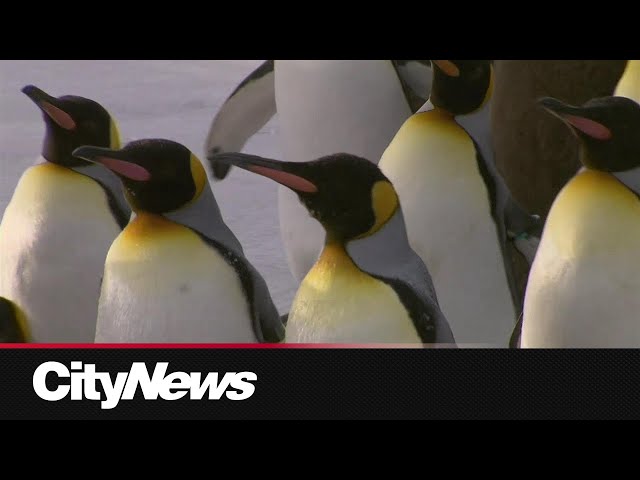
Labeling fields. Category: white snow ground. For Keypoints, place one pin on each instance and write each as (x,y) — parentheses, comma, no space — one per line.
(174,99)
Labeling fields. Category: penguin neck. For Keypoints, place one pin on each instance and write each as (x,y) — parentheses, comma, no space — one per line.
(443,114)
(629,178)
(334,241)
(389,244)
(586,160)
(386,243)
(203,216)
(58,150)
(63,161)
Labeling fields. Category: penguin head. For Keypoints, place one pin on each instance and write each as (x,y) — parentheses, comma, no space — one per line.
(607,129)
(70,122)
(159,175)
(461,87)
(347,194)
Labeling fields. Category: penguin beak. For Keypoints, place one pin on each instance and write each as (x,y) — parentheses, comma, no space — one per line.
(114,160)
(220,170)
(576,118)
(50,106)
(288,174)
(448,67)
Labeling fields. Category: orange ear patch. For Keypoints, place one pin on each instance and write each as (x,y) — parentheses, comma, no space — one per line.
(448,67)
(589,127)
(62,118)
(126,169)
(290,180)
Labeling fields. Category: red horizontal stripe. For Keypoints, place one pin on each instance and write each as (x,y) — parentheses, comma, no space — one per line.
(201,345)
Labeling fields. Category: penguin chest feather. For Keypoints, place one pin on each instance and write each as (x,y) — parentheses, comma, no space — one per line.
(583,285)
(164,283)
(433,166)
(54,238)
(338,303)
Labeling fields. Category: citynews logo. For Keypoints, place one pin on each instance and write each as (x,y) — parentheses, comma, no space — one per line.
(83,380)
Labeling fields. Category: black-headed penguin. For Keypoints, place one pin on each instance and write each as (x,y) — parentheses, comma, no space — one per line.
(584,283)
(367,286)
(536,158)
(60,222)
(176,273)
(323,106)
(461,218)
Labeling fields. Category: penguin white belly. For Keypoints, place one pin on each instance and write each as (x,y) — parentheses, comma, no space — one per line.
(583,285)
(432,164)
(163,283)
(338,303)
(54,238)
(326,107)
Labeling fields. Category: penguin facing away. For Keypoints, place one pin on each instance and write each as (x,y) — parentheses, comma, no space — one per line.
(14,327)
(323,107)
(583,285)
(60,222)
(368,286)
(253,102)
(461,218)
(176,273)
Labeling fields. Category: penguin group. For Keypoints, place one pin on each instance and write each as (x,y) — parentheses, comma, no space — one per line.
(399,224)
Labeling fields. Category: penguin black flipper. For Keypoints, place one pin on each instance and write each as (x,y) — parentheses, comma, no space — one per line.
(430,322)
(415,77)
(11,330)
(267,323)
(249,107)
(514,341)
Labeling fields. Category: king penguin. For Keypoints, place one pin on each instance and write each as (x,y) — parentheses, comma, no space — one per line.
(14,327)
(460,216)
(63,216)
(555,154)
(367,286)
(323,107)
(535,158)
(584,282)
(176,273)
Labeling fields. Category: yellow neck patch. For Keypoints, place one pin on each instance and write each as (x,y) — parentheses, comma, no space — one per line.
(114,136)
(436,116)
(23,324)
(199,175)
(489,92)
(333,263)
(594,213)
(384,202)
(629,84)
(146,225)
